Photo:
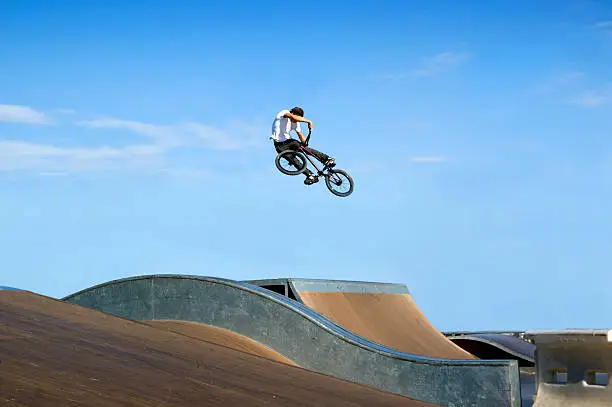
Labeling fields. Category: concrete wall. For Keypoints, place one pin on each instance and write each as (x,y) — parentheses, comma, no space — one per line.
(307,338)
(572,368)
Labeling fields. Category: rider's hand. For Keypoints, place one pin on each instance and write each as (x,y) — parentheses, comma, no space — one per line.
(310,125)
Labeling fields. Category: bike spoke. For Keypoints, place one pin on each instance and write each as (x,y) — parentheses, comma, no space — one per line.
(337,180)
(285,163)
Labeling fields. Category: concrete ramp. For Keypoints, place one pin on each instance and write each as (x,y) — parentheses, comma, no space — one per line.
(307,338)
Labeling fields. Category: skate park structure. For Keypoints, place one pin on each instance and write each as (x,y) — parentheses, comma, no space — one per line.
(308,338)
(573,367)
(496,345)
(383,313)
(370,334)
(387,314)
(53,353)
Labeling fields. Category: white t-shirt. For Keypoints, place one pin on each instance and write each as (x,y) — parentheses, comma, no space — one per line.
(282,126)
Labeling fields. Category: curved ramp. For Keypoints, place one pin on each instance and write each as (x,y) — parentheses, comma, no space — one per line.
(497,346)
(306,337)
(381,312)
(58,354)
(219,336)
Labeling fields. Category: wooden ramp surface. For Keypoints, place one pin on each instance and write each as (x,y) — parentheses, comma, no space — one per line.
(57,354)
(220,336)
(390,319)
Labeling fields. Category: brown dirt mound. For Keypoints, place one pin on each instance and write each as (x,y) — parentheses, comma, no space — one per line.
(54,353)
(393,320)
(221,337)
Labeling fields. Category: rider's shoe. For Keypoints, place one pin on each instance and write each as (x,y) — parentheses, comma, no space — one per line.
(311,179)
(330,163)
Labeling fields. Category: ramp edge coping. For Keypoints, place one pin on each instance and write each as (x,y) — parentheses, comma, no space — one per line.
(332,286)
(495,344)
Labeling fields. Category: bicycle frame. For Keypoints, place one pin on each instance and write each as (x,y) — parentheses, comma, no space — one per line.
(333,177)
(320,172)
(308,155)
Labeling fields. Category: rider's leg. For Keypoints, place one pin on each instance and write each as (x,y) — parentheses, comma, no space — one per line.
(292,144)
(322,157)
(310,177)
(288,145)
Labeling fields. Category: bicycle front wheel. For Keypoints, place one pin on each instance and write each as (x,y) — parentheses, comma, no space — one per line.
(339,182)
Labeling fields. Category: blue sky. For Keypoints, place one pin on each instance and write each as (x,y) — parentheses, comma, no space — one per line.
(134,140)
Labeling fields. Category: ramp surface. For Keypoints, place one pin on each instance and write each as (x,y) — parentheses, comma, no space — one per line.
(220,336)
(306,337)
(58,354)
(497,346)
(383,313)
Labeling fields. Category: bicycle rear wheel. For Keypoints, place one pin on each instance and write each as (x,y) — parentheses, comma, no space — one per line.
(341,180)
(285,166)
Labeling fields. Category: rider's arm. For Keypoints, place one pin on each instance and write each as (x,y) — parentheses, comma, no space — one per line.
(298,119)
(299,133)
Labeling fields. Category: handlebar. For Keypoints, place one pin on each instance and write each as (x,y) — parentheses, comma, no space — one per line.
(308,137)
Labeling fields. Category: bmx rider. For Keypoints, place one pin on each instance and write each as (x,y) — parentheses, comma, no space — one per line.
(286,121)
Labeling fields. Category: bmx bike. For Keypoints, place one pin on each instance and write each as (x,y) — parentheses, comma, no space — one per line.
(333,177)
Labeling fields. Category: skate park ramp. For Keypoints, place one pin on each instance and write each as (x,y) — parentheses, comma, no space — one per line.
(381,312)
(54,353)
(305,337)
(491,345)
(220,336)
(496,346)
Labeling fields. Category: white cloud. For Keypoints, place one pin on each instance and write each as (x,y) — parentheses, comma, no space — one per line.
(590,99)
(25,149)
(217,139)
(604,26)
(568,78)
(560,82)
(18,155)
(65,111)
(165,135)
(563,86)
(191,133)
(48,159)
(22,114)
(593,98)
(429,159)
(441,62)
(431,66)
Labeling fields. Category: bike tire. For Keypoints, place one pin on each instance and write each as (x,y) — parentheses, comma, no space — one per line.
(329,184)
(299,155)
